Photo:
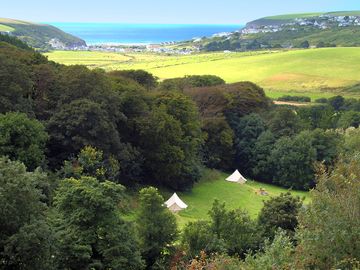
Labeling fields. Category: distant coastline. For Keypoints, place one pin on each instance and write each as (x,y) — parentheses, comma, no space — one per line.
(140,34)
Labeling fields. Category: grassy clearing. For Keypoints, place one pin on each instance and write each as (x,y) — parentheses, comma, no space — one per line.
(203,194)
(5,28)
(314,72)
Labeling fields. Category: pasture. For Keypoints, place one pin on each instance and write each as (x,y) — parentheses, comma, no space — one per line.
(313,72)
(201,197)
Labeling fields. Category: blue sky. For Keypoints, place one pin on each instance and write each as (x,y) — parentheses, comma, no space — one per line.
(164,11)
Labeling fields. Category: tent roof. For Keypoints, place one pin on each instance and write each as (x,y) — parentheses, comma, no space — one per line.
(175,200)
(236,177)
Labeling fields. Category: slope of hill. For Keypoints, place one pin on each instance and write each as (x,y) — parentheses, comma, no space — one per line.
(280,19)
(331,29)
(40,36)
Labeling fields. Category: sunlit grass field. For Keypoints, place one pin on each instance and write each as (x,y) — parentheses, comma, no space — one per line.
(313,72)
(200,199)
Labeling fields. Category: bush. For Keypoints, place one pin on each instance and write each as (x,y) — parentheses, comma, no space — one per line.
(233,232)
(329,229)
(142,77)
(186,82)
(295,98)
(22,138)
(321,100)
(293,160)
(276,255)
(280,212)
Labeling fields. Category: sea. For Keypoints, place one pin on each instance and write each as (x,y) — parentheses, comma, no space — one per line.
(122,33)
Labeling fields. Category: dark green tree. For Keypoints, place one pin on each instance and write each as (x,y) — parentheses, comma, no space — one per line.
(25,238)
(81,123)
(326,143)
(280,212)
(187,82)
(218,150)
(293,162)
(247,130)
(319,116)
(90,231)
(336,102)
(142,77)
(170,138)
(329,228)
(15,84)
(305,44)
(198,236)
(262,169)
(349,119)
(236,229)
(284,122)
(228,231)
(22,138)
(156,225)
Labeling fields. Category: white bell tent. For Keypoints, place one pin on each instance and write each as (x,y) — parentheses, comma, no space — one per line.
(175,204)
(236,177)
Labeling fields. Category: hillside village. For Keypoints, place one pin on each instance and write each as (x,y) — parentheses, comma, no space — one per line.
(322,22)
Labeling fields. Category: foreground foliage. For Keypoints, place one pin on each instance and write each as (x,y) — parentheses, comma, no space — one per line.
(89,231)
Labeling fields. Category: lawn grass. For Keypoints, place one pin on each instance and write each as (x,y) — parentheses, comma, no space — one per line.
(200,199)
(313,72)
(5,28)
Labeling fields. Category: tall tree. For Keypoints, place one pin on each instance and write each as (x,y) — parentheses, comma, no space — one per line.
(15,84)
(22,138)
(170,137)
(157,225)
(81,123)
(25,238)
(263,167)
(280,212)
(284,122)
(329,228)
(218,150)
(247,130)
(90,231)
(293,162)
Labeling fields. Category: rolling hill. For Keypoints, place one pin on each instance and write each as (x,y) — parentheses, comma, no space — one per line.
(40,36)
(302,30)
(280,19)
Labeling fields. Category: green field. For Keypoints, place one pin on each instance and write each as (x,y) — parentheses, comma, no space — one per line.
(293,16)
(313,72)
(200,199)
(5,28)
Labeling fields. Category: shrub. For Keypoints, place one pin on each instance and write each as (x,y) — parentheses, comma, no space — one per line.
(295,98)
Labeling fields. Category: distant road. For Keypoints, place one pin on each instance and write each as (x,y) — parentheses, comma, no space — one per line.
(298,104)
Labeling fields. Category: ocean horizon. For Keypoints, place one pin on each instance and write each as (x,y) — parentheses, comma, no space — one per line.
(126,33)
